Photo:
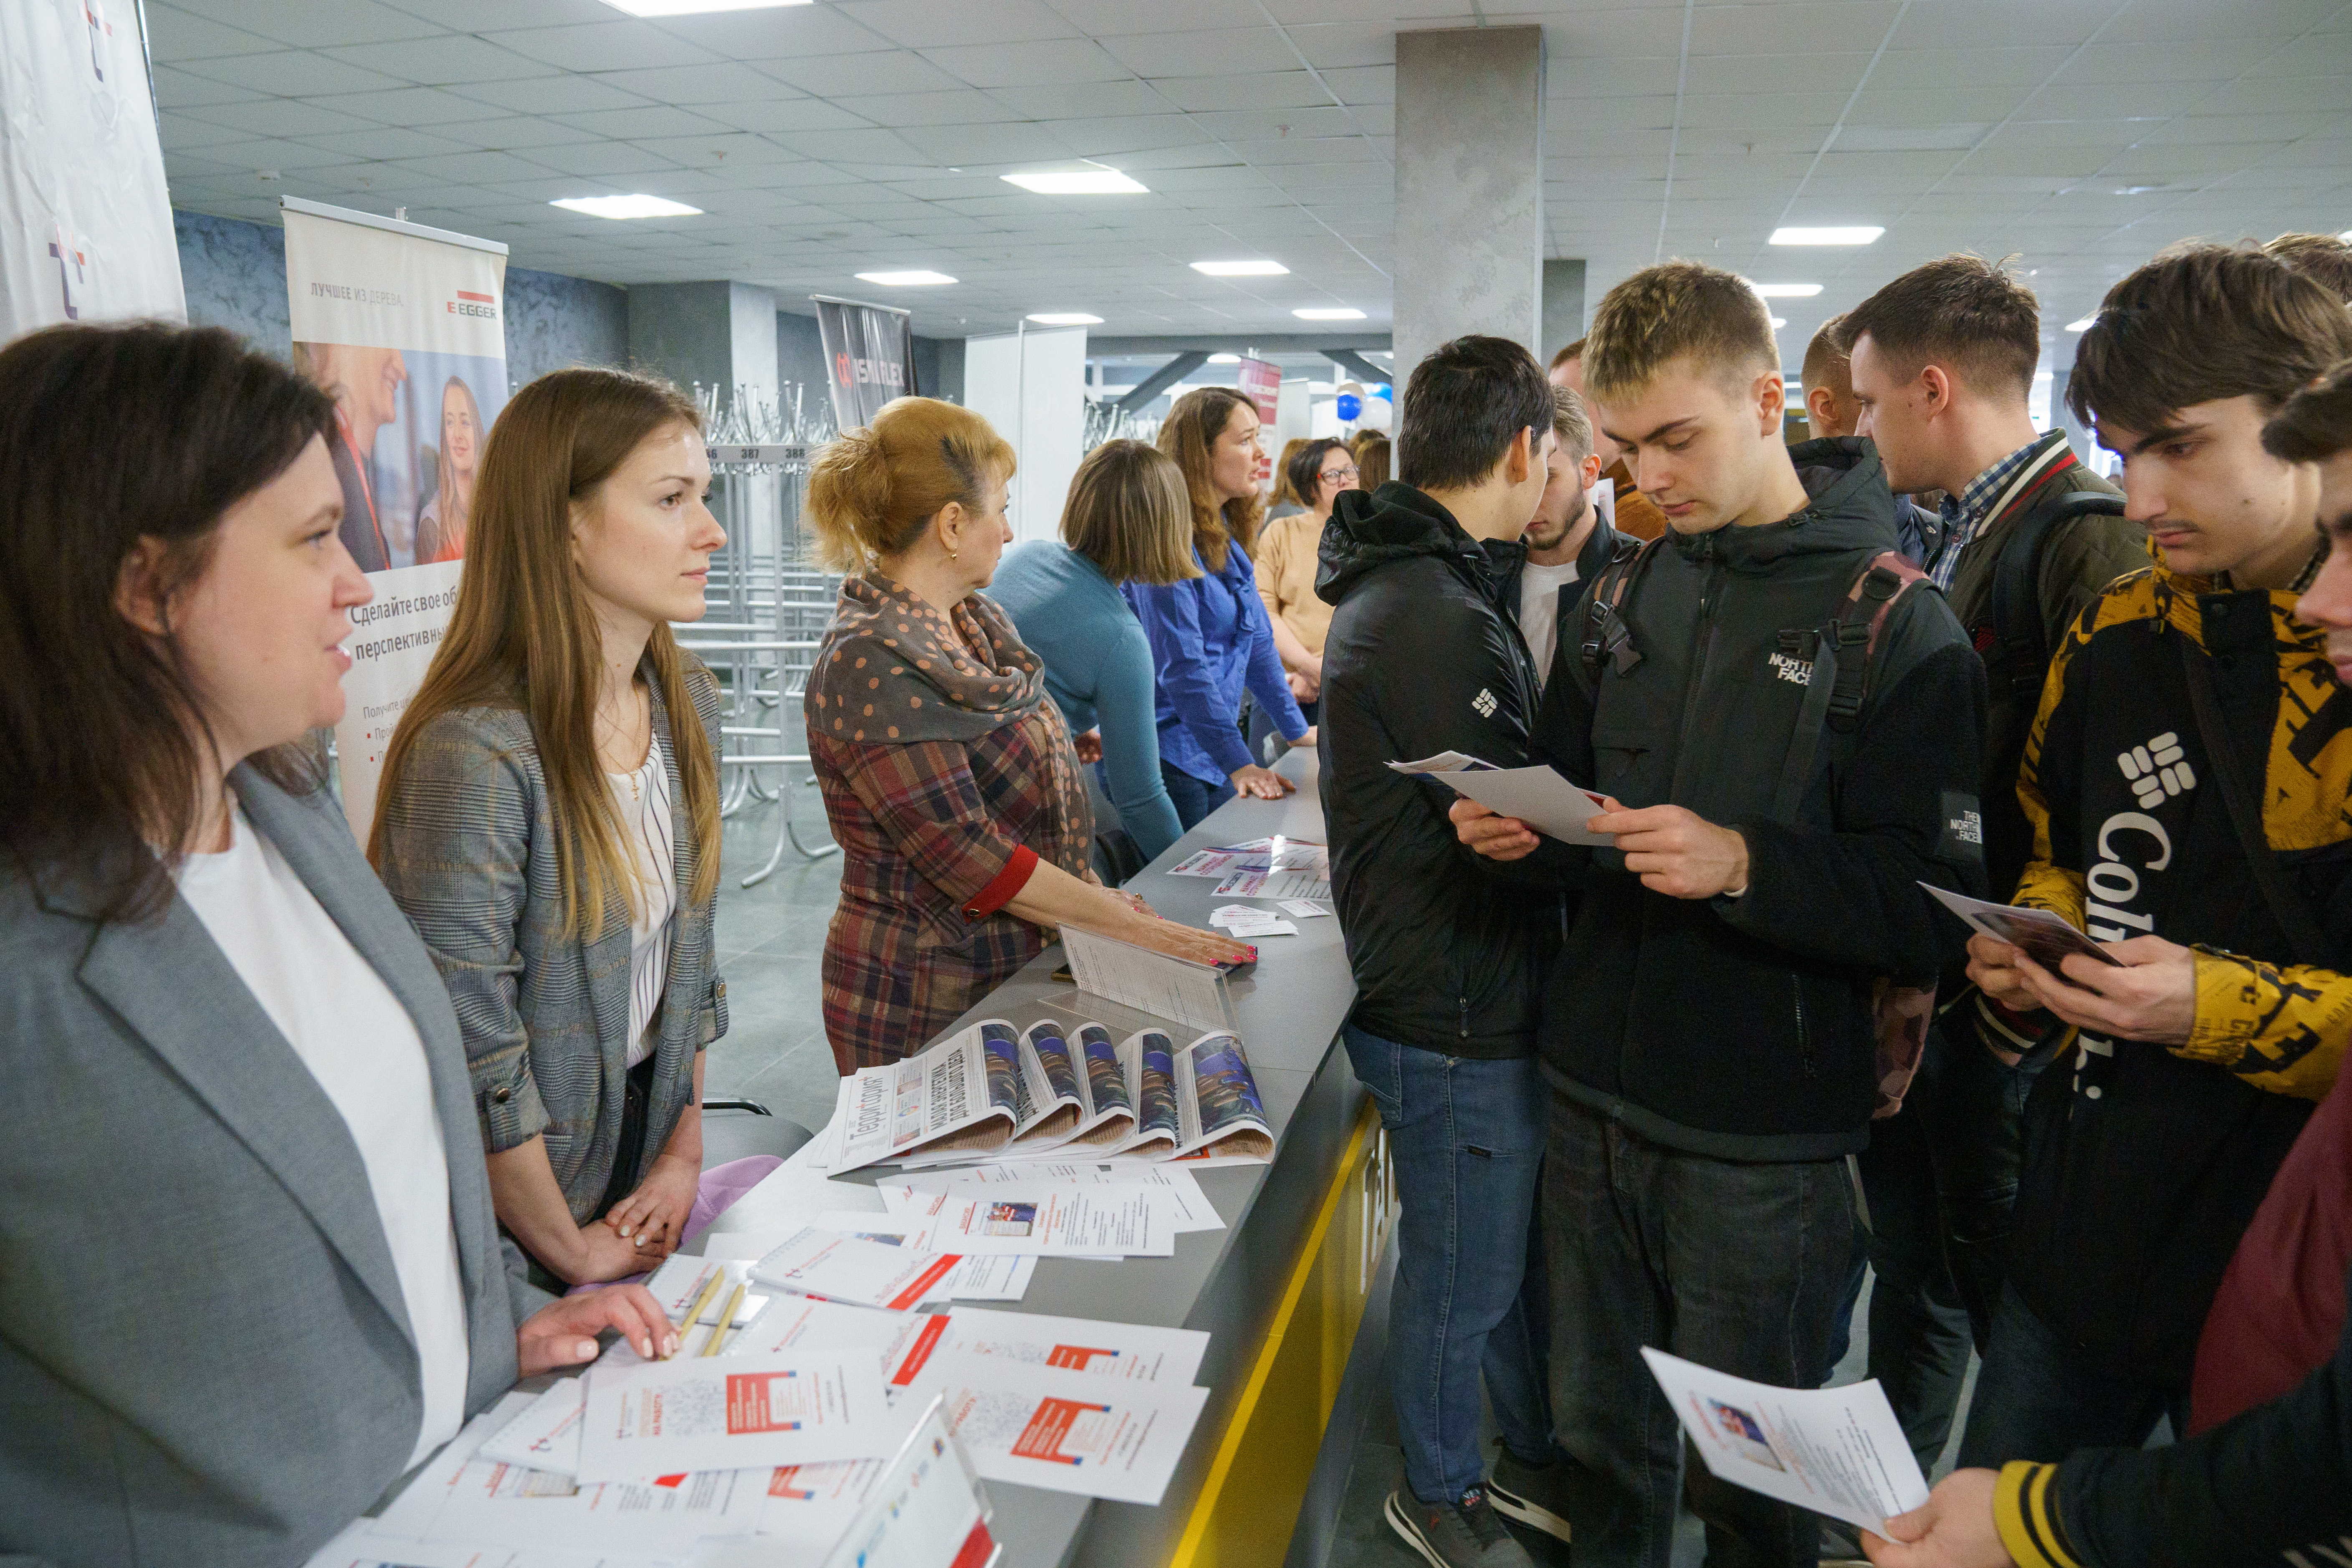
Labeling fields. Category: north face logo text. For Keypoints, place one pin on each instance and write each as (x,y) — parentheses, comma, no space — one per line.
(1794,670)
(1484,702)
(2156,770)
(1968,827)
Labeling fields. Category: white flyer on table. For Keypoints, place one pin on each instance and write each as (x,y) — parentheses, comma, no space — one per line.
(1244,922)
(1277,884)
(1129,1220)
(810,1508)
(1537,795)
(546,1437)
(815,1262)
(1190,1208)
(1837,1451)
(974,1278)
(1062,1429)
(732,1412)
(1133,1351)
(361,1545)
(1153,982)
(1305,909)
(927,1509)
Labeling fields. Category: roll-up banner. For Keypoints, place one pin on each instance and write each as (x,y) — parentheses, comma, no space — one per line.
(405,326)
(870,349)
(85,224)
(1261,383)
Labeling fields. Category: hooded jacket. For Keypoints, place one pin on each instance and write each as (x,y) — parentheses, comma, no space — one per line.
(2132,836)
(1423,657)
(1742,1028)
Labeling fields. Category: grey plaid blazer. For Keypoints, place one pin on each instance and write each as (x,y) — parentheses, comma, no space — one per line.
(469,852)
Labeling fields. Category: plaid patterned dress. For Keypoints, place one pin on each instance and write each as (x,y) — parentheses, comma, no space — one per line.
(946,778)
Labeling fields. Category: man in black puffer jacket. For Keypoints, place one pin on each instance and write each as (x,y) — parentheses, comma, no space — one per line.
(1448,949)
(1709,1028)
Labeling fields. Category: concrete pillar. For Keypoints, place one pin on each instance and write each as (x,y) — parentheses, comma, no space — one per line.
(719,333)
(1469,187)
(1563,306)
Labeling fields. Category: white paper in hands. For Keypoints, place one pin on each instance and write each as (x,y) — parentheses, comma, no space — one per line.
(2042,936)
(1838,1451)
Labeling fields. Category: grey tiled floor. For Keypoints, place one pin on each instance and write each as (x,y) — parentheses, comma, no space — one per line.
(770,938)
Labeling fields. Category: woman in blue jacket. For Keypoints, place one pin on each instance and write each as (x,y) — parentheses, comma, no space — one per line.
(1209,634)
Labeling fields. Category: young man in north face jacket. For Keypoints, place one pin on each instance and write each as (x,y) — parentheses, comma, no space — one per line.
(2217,875)
(1708,1032)
(1422,657)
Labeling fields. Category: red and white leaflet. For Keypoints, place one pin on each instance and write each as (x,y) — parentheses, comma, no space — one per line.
(1129,1220)
(546,1437)
(1132,1351)
(732,1412)
(927,1509)
(856,1273)
(1190,1209)
(1062,1429)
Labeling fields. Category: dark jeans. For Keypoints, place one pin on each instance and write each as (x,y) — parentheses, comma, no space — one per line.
(1193,798)
(1466,1139)
(1737,1267)
(2038,1399)
(1941,1180)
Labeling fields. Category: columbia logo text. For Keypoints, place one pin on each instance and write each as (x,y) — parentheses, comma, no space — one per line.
(1483,702)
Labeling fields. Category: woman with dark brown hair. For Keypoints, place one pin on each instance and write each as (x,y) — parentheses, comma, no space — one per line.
(227,1052)
(549,819)
(948,772)
(1210,638)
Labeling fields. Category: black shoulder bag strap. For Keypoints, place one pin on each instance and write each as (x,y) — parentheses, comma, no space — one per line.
(1841,652)
(2286,906)
(2017,626)
(1606,636)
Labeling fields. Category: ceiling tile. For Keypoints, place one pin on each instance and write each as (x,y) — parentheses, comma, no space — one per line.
(380,141)
(409,106)
(488,15)
(278,117)
(175,88)
(512,130)
(1084,99)
(441,62)
(786,114)
(862,75)
(962,145)
(690,86)
(603,47)
(1230,51)
(1343,45)
(925,23)
(601,159)
(175,34)
(786,32)
(305,23)
(963,106)
(569,94)
(1067,61)
(295,72)
(1268,90)
(653,120)
(874,146)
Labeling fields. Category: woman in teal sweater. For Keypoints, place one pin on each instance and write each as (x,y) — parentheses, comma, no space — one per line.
(1127,521)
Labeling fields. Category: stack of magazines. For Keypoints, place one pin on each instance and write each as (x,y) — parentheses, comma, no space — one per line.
(993,1093)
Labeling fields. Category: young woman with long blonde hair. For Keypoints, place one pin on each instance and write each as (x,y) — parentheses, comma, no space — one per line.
(549,819)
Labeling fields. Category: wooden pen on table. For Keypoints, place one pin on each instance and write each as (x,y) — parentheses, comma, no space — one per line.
(706,1288)
(726,1320)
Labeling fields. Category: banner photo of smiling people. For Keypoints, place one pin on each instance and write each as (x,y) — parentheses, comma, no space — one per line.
(404,327)
(870,352)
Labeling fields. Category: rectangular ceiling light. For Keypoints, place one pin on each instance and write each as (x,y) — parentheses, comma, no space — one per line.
(1081,183)
(1861,234)
(626,206)
(1064,319)
(916,279)
(695,7)
(1336,313)
(1785,290)
(1260,268)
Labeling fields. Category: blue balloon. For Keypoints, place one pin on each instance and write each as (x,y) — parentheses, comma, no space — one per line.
(1386,391)
(1351,409)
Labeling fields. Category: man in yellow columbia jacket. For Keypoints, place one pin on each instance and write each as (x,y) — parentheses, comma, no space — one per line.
(2186,780)
(2272,1483)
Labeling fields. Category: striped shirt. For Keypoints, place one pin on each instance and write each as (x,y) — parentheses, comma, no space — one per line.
(643,799)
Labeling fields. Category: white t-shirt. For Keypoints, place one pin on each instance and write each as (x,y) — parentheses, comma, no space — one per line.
(646,828)
(1539,591)
(360,1045)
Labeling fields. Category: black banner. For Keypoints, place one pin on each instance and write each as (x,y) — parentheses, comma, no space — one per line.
(870,352)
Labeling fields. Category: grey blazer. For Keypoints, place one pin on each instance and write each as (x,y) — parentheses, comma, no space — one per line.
(467,850)
(205,1355)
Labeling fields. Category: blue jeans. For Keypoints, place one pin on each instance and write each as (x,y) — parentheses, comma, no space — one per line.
(1467,1139)
(2037,1399)
(1193,798)
(1738,1267)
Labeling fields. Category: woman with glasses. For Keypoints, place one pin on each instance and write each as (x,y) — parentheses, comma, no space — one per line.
(1317,472)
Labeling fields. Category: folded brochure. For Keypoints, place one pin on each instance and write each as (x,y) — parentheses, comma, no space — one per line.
(1537,795)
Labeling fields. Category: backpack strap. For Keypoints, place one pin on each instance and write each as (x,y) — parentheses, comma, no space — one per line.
(1843,654)
(2019,652)
(1605,634)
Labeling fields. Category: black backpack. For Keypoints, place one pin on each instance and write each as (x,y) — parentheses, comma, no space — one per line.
(2016,646)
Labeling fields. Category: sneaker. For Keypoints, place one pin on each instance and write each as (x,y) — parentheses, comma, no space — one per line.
(1532,1495)
(1456,1534)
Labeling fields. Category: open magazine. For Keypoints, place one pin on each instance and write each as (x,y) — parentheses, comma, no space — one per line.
(990,1094)
(1200,1099)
